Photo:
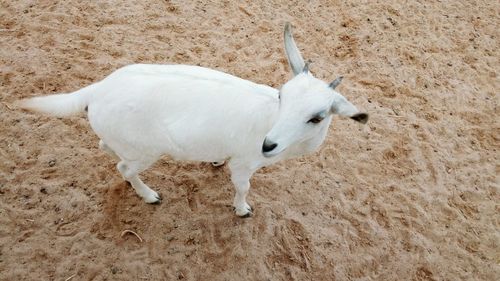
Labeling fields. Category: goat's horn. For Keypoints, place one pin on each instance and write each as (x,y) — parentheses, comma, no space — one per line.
(306,66)
(336,82)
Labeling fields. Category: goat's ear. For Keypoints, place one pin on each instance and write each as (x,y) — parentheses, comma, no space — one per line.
(343,107)
(294,57)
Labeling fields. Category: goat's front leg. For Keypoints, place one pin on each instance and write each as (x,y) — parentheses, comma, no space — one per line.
(240,176)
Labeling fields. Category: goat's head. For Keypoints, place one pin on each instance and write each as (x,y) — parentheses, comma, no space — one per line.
(306,105)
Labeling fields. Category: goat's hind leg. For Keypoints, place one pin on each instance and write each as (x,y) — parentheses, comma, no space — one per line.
(130,171)
(104,147)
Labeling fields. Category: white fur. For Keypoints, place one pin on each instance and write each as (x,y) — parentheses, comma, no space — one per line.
(141,112)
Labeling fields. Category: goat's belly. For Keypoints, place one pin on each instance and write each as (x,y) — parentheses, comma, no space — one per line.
(136,134)
(203,139)
(203,153)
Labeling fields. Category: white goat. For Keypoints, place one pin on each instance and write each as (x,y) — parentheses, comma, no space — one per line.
(141,112)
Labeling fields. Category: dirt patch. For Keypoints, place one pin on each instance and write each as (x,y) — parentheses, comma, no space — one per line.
(413,195)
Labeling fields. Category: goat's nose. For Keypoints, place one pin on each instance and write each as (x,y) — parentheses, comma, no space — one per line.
(268,146)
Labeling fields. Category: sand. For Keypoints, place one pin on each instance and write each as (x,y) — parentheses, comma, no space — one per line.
(413,195)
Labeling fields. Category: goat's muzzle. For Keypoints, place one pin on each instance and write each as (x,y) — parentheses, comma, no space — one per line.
(267,147)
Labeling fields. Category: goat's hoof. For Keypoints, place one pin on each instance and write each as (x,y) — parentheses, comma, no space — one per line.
(157,202)
(155,199)
(218,163)
(244,215)
(244,212)
(247,215)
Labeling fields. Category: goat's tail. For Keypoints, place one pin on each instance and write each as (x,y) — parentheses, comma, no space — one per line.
(60,105)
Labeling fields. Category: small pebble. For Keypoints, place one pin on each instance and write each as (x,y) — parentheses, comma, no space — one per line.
(114,270)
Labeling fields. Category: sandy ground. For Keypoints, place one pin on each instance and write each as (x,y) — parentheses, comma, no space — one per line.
(414,195)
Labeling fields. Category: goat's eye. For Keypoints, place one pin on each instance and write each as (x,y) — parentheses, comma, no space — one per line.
(315,120)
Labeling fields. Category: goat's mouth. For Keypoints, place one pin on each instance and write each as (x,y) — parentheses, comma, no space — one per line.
(270,154)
